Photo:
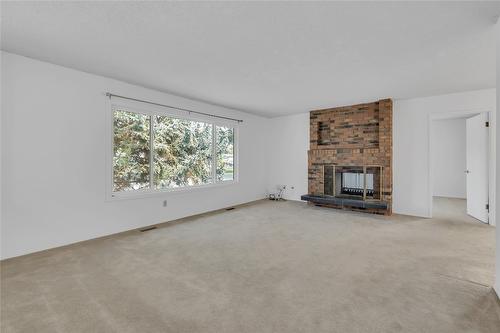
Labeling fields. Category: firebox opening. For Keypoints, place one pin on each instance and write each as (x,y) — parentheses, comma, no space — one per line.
(353,182)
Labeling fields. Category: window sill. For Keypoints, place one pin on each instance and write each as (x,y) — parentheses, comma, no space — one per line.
(140,194)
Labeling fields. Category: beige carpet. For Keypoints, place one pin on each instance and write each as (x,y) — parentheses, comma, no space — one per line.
(266,267)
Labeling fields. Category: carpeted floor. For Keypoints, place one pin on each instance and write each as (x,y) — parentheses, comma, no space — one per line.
(265,267)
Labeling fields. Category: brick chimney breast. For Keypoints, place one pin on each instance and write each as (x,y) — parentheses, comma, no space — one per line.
(357,135)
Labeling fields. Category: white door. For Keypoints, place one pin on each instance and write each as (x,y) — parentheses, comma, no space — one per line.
(477,166)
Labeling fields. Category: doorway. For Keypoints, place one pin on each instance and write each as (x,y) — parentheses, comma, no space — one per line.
(459,166)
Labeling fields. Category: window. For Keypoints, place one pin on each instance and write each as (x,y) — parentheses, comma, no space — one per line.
(159,152)
(225,153)
(131,142)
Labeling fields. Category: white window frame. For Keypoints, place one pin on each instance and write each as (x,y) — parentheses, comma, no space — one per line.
(151,111)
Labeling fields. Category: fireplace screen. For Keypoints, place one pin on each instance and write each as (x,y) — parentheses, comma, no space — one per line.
(356,182)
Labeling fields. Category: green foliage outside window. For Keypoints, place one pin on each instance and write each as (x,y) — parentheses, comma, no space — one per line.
(225,153)
(182,152)
(131,151)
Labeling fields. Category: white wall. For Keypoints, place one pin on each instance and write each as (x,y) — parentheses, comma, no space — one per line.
(1,150)
(53,160)
(497,205)
(411,123)
(288,146)
(448,158)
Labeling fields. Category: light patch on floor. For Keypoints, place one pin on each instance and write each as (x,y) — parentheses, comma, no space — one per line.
(265,267)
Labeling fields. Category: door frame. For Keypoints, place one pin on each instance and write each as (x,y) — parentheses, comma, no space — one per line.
(491,155)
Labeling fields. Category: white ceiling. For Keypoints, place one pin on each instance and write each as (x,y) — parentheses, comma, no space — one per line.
(268,58)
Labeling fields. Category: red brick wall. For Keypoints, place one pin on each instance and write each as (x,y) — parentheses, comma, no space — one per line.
(356,135)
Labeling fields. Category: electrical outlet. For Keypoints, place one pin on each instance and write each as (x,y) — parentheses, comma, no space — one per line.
(165,203)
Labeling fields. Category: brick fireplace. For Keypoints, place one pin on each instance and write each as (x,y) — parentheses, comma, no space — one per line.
(350,157)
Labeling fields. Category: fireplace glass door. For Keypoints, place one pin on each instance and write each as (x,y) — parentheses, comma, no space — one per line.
(373,176)
(328,179)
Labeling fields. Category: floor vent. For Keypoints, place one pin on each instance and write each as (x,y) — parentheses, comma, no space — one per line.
(230,208)
(147,229)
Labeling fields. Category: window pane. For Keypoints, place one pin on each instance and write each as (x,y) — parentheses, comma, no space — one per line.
(225,153)
(131,151)
(182,152)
